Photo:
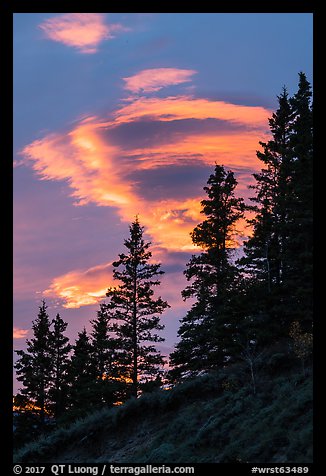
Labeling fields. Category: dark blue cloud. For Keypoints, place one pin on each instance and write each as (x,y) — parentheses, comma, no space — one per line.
(142,134)
(176,181)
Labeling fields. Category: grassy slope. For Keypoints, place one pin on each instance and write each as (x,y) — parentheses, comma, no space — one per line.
(210,419)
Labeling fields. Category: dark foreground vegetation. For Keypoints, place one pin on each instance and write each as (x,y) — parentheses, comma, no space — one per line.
(213,418)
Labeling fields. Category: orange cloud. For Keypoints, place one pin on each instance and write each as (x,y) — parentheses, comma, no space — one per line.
(97,170)
(82,287)
(19,333)
(150,80)
(187,107)
(205,148)
(89,286)
(83,31)
(83,159)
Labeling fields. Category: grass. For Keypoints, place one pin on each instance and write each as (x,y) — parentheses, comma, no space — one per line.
(202,420)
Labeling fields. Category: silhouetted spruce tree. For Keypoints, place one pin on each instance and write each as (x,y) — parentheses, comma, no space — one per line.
(136,310)
(300,250)
(265,252)
(34,367)
(82,393)
(108,385)
(278,256)
(266,249)
(207,330)
(58,391)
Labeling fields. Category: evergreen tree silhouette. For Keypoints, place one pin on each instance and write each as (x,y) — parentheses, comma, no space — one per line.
(34,367)
(109,387)
(58,392)
(136,310)
(206,331)
(81,376)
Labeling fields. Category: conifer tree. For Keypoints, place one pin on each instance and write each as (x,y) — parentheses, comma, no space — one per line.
(60,360)
(278,256)
(136,310)
(81,376)
(266,249)
(300,250)
(109,387)
(34,367)
(207,330)
(265,263)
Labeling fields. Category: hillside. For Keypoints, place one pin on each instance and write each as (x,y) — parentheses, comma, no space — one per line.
(215,418)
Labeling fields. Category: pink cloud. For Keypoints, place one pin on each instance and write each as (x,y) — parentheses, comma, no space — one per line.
(94,170)
(83,159)
(187,107)
(82,287)
(150,80)
(84,31)
(19,333)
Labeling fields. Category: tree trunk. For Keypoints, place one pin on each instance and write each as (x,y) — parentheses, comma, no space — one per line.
(57,388)
(268,270)
(134,340)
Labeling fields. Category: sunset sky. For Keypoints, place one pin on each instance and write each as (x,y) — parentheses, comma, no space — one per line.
(124,114)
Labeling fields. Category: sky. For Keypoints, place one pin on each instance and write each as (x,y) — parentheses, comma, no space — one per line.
(118,115)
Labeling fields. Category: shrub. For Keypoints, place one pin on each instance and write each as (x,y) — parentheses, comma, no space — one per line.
(196,421)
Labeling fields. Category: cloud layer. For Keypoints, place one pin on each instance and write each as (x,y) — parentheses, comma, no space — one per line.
(83,31)
(98,171)
(150,80)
